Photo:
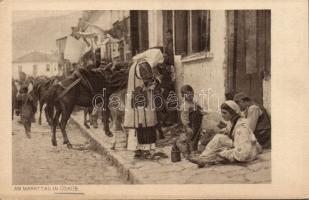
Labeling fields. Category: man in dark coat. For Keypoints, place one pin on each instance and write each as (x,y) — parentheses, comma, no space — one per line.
(25,106)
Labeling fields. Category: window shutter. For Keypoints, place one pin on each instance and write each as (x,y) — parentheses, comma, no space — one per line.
(181,32)
(251,40)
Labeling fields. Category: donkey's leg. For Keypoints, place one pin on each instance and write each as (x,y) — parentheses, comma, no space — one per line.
(85,118)
(64,120)
(54,126)
(49,112)
(105,113)
(40,115)
(113,113)
(90,109)
(47,115)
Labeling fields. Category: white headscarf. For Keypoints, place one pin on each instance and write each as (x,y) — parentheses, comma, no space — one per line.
(233,105)
(152,56)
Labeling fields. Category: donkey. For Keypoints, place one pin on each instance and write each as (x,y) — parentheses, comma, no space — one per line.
(80,89)
(41,86)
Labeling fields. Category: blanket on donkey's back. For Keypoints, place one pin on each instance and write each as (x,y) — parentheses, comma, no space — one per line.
(115,80)
(118,80)
(42,84)
(98,78)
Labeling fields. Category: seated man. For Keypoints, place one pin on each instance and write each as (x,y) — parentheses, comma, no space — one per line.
(238,145)
(257,117)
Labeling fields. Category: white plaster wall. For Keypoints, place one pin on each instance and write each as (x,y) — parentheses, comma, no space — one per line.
(155,28)
(41,69)
(207,76)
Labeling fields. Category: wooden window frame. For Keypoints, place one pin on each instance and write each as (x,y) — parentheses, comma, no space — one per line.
(190,55)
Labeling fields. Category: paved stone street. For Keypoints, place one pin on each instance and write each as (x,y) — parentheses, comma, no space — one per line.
(36,161)
(163,171)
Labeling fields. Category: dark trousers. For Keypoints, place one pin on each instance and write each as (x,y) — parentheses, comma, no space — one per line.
(27,124)
(264,138)
(146,135)
(195,124)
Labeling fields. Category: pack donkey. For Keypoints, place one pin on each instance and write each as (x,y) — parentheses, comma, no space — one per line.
(80,89)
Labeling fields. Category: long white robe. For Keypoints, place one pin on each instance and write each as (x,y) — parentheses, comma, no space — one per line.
(242,146)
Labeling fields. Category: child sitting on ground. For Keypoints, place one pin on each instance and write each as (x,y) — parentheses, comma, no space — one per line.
(25,106)
(191,115)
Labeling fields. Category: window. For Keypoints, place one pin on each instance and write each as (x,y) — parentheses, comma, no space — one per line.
(181,32)
(47,67)
(139,31)
(192,31)
(199,27)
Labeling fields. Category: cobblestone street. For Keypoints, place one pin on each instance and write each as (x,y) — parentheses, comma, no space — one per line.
(36,161)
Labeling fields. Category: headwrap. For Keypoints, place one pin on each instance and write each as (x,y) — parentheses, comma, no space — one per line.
(231,106)
(152,56)
(240,96)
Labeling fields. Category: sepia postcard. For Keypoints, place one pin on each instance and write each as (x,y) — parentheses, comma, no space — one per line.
(154,99)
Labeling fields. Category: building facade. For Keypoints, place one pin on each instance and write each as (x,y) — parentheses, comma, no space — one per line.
(217,52)
(36,64)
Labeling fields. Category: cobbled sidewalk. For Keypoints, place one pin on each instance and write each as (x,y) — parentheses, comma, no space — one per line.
(163,171)
(36,162)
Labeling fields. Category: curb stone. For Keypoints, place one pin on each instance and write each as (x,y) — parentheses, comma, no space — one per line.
(126,174)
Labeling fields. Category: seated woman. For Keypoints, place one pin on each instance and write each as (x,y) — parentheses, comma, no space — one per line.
(238,145)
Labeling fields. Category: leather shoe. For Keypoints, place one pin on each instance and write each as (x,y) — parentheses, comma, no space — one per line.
(197,161)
